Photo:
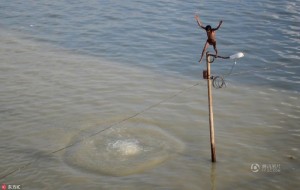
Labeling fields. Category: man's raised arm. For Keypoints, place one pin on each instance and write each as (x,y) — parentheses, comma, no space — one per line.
(199,22)
(220,23)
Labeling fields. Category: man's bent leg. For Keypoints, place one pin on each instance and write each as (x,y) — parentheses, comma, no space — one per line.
(215,47)
(204,49)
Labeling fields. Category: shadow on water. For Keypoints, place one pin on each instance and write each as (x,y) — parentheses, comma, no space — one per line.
(213,176)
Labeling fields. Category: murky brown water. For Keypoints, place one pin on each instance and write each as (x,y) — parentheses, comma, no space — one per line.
(54,105)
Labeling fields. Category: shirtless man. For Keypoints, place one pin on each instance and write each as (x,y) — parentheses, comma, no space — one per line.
(211,36)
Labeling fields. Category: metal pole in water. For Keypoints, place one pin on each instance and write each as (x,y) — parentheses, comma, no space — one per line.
(209,78)
(211,114)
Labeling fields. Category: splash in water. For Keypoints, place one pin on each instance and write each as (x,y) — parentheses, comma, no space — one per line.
(124,150)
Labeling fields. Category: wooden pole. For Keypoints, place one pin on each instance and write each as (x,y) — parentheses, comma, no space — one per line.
(211,114)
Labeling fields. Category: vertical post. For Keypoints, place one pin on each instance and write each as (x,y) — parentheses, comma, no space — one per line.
(211,115)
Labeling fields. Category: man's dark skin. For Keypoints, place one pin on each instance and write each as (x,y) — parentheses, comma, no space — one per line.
(211,36)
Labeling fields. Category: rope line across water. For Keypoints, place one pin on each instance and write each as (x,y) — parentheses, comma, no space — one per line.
(108,127)
(218,82)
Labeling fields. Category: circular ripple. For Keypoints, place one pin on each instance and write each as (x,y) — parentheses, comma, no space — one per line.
(127,149)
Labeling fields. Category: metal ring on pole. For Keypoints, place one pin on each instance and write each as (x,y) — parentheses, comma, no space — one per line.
(218,82)
(213,58)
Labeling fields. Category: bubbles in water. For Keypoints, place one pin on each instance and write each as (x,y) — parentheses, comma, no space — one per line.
(127,149)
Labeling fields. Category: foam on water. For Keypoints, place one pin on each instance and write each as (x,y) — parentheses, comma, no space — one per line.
(125,150)
(127,147)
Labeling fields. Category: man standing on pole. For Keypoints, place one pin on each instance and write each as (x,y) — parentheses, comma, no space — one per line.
(211,36)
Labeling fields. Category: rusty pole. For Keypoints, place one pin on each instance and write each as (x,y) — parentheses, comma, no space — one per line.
(210,107)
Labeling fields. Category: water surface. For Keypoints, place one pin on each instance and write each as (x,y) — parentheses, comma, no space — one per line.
(82,88)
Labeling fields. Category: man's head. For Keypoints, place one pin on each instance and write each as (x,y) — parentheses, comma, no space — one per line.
(208,28)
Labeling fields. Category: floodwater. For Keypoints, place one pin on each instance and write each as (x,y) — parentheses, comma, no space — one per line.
(109,95)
